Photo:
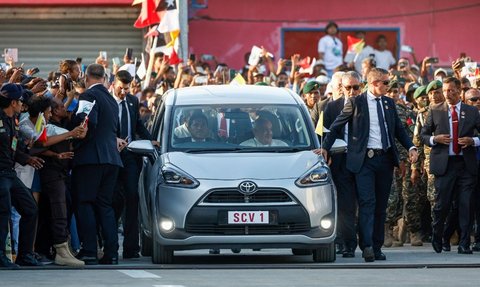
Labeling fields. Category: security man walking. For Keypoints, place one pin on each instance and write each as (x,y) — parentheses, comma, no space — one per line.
(12,190)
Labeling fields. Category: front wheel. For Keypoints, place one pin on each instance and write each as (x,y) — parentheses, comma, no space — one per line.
(325,254)
(146,244)
(161,254)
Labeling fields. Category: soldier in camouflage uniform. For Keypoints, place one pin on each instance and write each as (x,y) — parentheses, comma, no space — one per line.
(415,191)
(400,184)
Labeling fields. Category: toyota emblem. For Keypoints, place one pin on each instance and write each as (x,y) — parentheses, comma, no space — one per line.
(247,187)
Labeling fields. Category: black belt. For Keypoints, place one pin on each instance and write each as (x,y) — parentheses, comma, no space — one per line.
(371,152)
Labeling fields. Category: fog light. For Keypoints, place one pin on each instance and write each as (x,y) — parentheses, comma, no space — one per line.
(326,223)
(167,225)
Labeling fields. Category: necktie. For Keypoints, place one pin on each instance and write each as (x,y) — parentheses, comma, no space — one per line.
(381,122)
(124,121)
(456,147)
(222,131)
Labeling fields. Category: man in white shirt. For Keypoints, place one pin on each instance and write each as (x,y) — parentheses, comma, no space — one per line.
(330,48)
(383,56)
(263,135)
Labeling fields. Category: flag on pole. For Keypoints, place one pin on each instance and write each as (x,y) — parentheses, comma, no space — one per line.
(142,69)
(304,63)
(319,128)
(40,129)
(355,45)
(85,107)
(309,68)
(148,14)
(169,16)
(238,80)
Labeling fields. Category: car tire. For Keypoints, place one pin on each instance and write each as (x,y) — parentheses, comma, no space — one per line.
(298,251)
(325,254)
(161,254)
(146,244)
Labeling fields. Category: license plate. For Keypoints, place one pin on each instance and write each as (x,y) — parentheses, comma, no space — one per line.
(248,217)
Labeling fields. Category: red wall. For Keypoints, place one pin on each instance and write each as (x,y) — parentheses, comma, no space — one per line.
(444,34)
(64,2)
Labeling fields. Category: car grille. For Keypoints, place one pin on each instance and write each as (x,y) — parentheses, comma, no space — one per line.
(261,196)
(284,228)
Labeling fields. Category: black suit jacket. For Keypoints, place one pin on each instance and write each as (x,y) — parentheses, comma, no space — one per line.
(332,111)
(137,127)
(100,144)
(438,123)
(356,114)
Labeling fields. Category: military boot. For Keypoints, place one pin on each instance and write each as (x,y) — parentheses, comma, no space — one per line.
(388,236)
(65,258)
(416,239)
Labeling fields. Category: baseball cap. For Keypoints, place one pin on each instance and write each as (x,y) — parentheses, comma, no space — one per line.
(322,80)
(12,91)
(433,85)
(440,70)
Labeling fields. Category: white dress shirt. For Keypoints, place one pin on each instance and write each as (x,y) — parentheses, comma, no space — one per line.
(375,135)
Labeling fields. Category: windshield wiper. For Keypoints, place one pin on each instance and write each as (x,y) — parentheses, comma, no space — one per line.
(200,150)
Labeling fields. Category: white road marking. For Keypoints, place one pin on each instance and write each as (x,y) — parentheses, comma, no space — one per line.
(168,286)
(139,274)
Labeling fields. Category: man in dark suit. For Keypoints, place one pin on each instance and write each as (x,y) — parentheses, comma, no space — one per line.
(95,169)
(373,125)
(343,178)
(450,131)
(126,191)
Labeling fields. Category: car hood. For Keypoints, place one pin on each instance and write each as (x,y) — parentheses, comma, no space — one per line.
(234,166)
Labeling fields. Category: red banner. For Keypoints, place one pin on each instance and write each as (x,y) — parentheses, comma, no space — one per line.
(65,2)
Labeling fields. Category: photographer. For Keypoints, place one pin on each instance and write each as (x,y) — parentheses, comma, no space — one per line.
(404,71)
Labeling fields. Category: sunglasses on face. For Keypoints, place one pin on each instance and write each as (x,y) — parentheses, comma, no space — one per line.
(354,87)
(474,99)
(383,82)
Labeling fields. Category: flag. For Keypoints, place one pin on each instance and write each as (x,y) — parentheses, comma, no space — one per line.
(168,15)
(148,14)
(142,69)
(319,128)
(238,80)
(85,107)
(174,59)
(304,63)
(153,32)
(40,129)
(355,45)
(309,69)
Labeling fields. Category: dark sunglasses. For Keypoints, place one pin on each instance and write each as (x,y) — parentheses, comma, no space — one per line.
(354,87)
(474,99)
(383,82)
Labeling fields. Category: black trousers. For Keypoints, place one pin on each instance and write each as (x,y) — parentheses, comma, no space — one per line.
(476,209)
(125,198)
(457,183)
(373,181)
(346,200)
(92,187)
(14,192)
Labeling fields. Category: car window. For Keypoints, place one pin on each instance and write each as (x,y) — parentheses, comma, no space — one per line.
(238,127)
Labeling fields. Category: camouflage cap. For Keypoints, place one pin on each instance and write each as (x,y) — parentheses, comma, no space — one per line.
(420,91)
(433,85)
(311,86)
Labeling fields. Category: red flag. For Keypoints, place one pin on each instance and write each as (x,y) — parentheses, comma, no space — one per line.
(355,45)
(43,136)
(304,63)
(148,15)
(174,59)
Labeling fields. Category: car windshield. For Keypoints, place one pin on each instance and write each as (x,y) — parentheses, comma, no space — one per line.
(239,128)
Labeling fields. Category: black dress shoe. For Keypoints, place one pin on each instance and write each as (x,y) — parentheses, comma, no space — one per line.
(6,263)
(106,260)
(339,248)
(130,255)
(476,246)
(446,247)
(28,259)
(380,256)
(368,254)
(437,246)
(464,250)
(348,253)
(89,260)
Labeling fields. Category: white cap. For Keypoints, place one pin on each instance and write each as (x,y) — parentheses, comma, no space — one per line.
(440,70)
(322,80)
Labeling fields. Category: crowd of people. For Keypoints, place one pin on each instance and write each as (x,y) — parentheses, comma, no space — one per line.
(66,179)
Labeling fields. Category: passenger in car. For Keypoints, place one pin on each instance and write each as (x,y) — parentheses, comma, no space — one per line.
(197,125)
(263,135)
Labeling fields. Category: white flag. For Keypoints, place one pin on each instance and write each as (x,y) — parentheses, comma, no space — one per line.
(85,107)
(170,18)
(142,71)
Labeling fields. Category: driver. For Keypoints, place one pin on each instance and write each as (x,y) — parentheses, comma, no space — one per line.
(262,131)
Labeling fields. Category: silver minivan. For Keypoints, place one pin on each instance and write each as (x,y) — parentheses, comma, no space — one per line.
(235,169)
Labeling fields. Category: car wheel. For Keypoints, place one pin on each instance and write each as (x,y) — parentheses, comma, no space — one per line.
(161,254)
(146,244)
(298,251)
(325,254)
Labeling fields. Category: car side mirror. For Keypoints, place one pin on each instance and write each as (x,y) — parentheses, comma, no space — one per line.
(339,146)
(143,148)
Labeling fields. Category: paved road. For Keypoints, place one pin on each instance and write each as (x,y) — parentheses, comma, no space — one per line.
(405,266)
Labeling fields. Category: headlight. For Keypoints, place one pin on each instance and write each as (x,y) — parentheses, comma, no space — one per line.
(317,175)
(172,175)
